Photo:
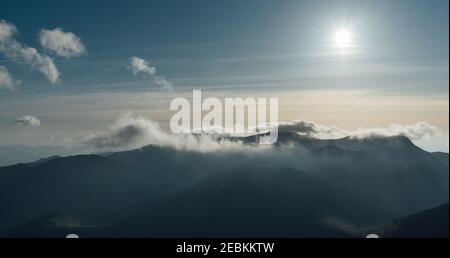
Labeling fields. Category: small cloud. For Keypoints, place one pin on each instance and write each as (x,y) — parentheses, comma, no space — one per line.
(6,79)
(12,48)
(64,44)
(28,121)
(138,65)
(127,131)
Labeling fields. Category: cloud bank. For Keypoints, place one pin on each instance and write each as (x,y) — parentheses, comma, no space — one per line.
(12,48)
(414,132)
(133,132)
(28,121)
(64,44)
(138,65)
(6,79)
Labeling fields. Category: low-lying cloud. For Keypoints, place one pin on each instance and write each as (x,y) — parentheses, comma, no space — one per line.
(132,132)
(64,44)
(416,131)
(28,121)
(138,65)
(11,48)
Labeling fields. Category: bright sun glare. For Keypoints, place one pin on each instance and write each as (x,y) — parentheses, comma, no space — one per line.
(343,38)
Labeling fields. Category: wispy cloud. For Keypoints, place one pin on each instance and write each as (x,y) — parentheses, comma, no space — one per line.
(11,48)
(138,65)
(64,44)
(28,121)
(6,79)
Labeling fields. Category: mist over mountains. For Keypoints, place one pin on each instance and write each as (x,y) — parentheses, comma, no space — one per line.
(300,187)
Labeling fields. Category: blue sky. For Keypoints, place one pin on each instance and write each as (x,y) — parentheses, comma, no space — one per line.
(209,43)
(401,49)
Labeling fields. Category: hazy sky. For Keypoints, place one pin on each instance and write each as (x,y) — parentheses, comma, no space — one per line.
(396,70)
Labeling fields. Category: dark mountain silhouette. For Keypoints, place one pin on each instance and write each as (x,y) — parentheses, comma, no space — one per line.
(428,223)
(292,189)
(98,185)
(90,183)
(13,154)
(249,201)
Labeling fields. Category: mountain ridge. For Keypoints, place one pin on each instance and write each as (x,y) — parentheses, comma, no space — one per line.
(371,182)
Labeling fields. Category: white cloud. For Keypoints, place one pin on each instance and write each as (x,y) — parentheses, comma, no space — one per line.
(6,79)
(7,30)
(130,132)
(12,48)
(28,121)
(133,132)
(414,132)
(138,65)
(65,44)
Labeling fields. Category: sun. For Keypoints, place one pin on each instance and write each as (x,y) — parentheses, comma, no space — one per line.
(343,38)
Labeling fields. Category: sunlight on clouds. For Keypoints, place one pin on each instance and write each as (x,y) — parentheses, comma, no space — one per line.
(65,44)
(71,116)
(10,47)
